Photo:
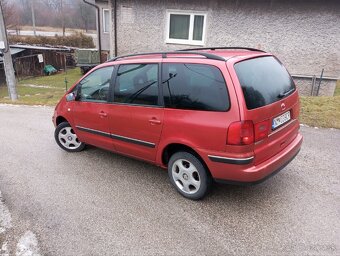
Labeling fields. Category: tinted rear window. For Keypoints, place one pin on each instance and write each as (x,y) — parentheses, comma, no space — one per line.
(264,81)
(194,86)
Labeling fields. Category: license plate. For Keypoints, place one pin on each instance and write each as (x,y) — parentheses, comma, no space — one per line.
(280,120)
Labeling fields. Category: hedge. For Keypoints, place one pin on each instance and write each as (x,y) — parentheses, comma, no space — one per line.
(75,40)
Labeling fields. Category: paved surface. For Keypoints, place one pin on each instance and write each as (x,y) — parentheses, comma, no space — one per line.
(100,203)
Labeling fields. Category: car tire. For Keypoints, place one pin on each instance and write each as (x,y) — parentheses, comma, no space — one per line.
(67,139)
(188,175)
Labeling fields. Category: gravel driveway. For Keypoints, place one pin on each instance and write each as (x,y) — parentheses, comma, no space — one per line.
(99,203)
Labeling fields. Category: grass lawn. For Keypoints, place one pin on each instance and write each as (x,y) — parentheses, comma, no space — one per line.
(47,90)
(321,111)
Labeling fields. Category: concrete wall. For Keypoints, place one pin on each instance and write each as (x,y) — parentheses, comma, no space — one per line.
(305,35)
(307,87)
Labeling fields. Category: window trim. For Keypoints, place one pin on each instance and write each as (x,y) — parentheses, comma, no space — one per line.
(197,63)
(105,29)
(189,41)
(78,86)
(114,81)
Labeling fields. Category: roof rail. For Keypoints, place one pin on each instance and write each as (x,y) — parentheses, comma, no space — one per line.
(164,55)
(221,48)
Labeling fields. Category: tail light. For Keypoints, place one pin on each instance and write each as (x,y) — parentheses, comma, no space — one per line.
(246,133)
(241,133)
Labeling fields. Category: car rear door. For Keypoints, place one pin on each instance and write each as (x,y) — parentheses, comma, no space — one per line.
(136,113)
(269,98)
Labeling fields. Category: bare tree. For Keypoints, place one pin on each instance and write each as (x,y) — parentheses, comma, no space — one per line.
(53,4)
(26,16)
(50,13)
(58,7)
(87,15)
(12,14)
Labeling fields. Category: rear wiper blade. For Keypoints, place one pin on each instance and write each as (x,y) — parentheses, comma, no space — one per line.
(284,94)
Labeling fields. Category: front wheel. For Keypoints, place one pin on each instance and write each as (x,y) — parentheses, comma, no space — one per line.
(67,139)
(188,175)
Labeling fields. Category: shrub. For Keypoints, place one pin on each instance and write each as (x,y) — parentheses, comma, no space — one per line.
(75,40)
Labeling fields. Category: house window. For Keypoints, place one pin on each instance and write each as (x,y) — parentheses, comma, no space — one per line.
(106,20)
(186,28)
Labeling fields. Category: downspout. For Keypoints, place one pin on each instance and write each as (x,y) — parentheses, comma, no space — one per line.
(99,29)
(115,27)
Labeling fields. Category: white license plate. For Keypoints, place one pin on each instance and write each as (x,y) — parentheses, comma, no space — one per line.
(280,120)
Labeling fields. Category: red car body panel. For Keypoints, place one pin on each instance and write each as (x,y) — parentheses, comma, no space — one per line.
(94,116)
(144,124)
(144,132)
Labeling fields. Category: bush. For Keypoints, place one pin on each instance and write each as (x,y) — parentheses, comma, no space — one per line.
(76,40)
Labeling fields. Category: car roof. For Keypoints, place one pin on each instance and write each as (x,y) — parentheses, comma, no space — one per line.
(217,53)
(229,53)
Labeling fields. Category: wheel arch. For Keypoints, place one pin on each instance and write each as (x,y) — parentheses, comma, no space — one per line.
(61,119)
(172,148)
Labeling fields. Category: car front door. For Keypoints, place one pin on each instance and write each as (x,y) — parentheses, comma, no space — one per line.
(137,113)
(90,113)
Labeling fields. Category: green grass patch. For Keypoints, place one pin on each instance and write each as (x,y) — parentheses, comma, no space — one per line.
(48,90)
(321,111)
(58,80)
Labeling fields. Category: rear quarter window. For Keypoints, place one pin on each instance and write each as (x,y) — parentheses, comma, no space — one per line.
(194,87)
(264,81)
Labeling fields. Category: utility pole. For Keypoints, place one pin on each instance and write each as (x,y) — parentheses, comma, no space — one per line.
(62,16)
(8,64)
(33,17)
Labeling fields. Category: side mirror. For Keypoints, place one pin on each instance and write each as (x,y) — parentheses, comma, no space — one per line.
(71,96)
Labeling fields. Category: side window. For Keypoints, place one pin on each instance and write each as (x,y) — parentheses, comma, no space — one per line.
(194,86)
(95,86)
(137,84)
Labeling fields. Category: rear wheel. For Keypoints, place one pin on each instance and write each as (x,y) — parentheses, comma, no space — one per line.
(188,175)
(67,139)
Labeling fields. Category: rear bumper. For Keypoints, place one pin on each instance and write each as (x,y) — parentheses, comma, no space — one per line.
(249,183)
(247,173)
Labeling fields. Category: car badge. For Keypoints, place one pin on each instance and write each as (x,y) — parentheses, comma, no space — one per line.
(283,106)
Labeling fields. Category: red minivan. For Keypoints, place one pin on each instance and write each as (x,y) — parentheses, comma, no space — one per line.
(209,114)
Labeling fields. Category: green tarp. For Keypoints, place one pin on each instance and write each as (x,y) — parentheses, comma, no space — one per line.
(49,69)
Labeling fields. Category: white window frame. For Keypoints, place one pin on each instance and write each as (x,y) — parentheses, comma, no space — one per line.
(190,41)
(105,29)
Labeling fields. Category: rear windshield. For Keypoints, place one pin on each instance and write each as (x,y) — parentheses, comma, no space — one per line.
(264,81)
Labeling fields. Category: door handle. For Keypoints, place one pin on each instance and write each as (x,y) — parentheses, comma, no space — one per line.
(154,121)
(102,114)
